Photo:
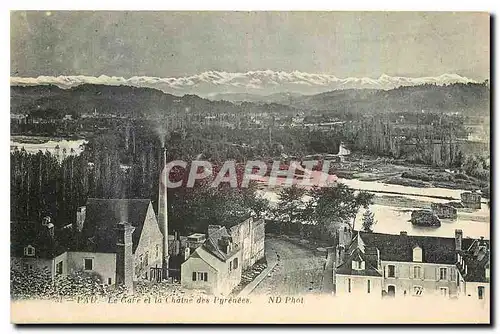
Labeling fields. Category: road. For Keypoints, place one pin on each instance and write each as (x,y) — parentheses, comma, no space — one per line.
(299,270)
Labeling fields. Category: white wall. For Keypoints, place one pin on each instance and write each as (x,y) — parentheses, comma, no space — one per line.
(359,286)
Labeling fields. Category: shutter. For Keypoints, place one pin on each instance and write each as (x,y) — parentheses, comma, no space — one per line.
(205,277)
(437,274)
(396,271)
(194,275)
(452,274)
(385,271)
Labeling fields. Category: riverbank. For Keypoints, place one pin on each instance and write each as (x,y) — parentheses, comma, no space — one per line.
(400,172)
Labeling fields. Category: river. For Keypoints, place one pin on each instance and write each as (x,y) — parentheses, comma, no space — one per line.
(393,205)
(59,147)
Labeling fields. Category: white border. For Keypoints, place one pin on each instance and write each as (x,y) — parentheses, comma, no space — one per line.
(421,5)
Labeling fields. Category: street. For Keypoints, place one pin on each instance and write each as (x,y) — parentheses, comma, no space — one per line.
(299,270)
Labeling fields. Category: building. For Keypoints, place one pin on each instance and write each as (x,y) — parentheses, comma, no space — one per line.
(215,266)
(401,265)
(474,267)
(117,239)
(108,224)
(444,211)
(471,200)
(33,246)
(195,240)
(204,254)
(249,235)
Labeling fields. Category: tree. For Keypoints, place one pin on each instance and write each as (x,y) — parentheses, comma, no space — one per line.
(368,221)
(290,208)
(330,207)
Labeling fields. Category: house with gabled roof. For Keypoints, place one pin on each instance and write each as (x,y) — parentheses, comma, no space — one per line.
(33,246)
(474,267)
(403,265)
(215,266)
(118,239)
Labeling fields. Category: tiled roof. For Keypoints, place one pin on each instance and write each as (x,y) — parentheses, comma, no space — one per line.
(400,247)
(477,258)
(346,267)
(102,215)
(24,233)
(211,245)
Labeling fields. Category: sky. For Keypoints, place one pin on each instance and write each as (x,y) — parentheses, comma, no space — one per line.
(175,44)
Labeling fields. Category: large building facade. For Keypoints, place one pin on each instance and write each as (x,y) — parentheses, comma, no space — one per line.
(401,265)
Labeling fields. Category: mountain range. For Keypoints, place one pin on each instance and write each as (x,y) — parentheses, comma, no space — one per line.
(217,85)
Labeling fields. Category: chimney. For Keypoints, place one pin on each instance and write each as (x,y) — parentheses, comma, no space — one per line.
(124,256)
(458,239)
(163,209)
(403,233)
(80,217)
(187,252)
(344,235)
(340,255)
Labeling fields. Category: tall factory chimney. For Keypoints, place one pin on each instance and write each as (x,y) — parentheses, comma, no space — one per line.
(163,210)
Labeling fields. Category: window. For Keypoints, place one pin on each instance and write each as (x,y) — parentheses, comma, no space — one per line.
(29,250)
(417,254)
(109,281)
(157,251)
(391,271)
(369,286)
(417,272)
(199,276)
(480,292)
(59,268)
(442,274)
(235,263)
(349,285)
(417,290)
(358,265)
(88,264)
(443,291)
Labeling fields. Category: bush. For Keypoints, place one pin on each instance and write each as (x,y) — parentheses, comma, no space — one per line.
(425,218)
(415,176)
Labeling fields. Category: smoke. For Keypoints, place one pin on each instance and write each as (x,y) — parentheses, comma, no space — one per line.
(161,131)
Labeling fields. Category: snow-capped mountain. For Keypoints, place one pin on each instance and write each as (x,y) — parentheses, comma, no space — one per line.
(253,82)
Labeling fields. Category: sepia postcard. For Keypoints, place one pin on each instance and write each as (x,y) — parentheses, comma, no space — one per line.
(250,167)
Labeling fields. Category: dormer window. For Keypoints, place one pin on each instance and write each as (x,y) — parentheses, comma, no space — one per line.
(358,265)
(29,250)
(417,254)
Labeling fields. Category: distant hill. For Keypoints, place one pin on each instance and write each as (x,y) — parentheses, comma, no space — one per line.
(470,99)
(281,98)
(121,101)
